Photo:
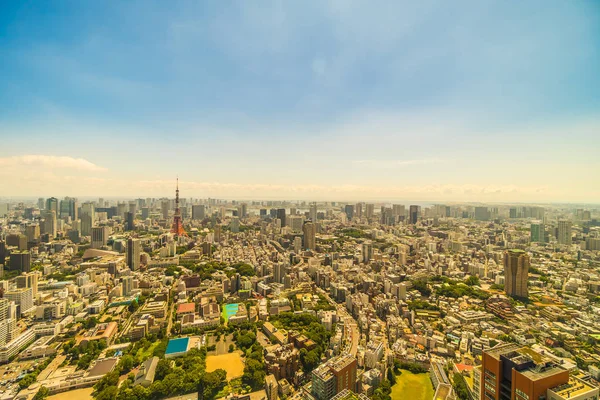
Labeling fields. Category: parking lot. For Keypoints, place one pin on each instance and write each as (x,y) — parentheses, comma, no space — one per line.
(9,373)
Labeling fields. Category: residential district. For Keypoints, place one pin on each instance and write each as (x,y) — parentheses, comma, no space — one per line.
(207,299)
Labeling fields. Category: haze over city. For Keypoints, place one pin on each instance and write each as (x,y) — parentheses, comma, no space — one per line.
(316,100)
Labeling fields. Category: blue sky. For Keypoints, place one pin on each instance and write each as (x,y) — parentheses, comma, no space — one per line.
(429,100)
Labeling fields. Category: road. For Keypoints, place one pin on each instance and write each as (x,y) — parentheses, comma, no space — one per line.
(351,332)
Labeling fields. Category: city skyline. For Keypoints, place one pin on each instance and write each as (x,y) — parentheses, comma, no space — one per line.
(326,101)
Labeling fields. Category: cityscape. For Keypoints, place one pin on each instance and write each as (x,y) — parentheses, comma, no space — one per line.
(300,200)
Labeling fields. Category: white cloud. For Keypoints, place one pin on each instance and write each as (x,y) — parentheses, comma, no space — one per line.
(32,160)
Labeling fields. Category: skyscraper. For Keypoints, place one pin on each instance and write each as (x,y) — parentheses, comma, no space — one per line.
(133,254)
(370,211)
(49,225)
(414,214)
(281,216)
(537,232)
(313,212)
(349,210)
(516,273)
(164,208)
(198,211)
(310,230)
(564,232)
(100,236)
(129,226)
(68,208)
(52,204)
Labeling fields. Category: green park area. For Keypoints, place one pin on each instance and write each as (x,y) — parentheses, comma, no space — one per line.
(412,386)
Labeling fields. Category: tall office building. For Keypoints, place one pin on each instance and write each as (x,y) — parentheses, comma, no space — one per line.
(398,210)
(68,208)
(370,211)
(20,261)
(100,236)
(127,285)
(516,273)
(564,232)
(52,205)
(198,211)
(32,232)
(281,216)
(129,225)
(145,213)
(49,225)
(164,208)
(3,209)
(513,371)
(41,203)
(29,280)
(414,213)
(22,297)
(349,210)
(358,210)
(133,253)
(312,212)
(310,230)
(482,214)
(295,222)
(367,252)
(537,232)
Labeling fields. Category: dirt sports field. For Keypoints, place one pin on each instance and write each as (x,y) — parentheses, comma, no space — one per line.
(230,362)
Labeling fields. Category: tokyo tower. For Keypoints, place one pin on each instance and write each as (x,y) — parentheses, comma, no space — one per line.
(177,227)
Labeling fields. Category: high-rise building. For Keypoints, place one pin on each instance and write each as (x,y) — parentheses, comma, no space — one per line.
(22,297)
(399,210)
(349,210)
(133,253)
(370,211)
(68,208)
(52,205)
(100,236)
(198,211)
(127,284)
(129,225)
(41,203)
(358,210)
(235,224)
(564,232)
(334,376)
(367,252)
(49,225)
(32,232)
(164,208)
(295,222)
(281,216)
(29,280)
(145,213)
(537,232)
(310,230)
(482,214)
(312,213)
(20,261)
(414,214)
(3,209)
(512,371)
(516,273)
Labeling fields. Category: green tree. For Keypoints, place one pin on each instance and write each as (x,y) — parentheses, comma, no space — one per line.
(42,393)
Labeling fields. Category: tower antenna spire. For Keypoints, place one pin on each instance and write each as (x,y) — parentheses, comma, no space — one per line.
(177,227)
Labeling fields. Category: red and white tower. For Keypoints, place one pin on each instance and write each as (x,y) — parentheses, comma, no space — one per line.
(177,227)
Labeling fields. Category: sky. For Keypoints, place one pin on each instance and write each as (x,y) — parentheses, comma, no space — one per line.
(478,100)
